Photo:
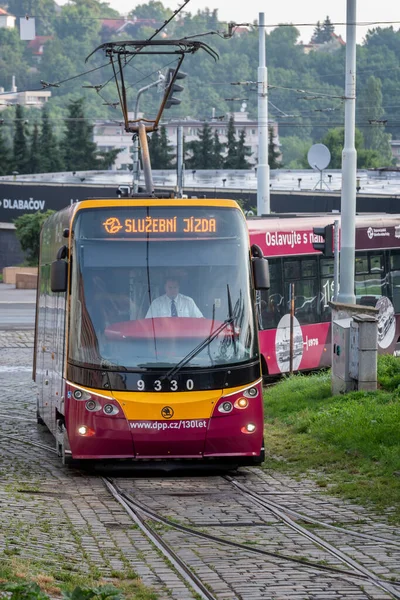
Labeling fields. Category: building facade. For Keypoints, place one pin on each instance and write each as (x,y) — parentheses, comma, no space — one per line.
(36,99)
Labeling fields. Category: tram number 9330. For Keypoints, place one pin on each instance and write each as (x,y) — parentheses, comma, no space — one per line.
(157,385)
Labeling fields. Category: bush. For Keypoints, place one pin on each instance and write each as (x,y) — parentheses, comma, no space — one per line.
(388,372)
(28,228)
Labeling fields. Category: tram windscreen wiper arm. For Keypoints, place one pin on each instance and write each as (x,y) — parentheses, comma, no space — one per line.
(232,319)
(197,349)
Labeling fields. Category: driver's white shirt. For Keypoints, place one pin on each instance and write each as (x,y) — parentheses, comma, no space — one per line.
(185,307)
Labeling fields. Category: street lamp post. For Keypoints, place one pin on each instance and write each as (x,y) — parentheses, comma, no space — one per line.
(349,166)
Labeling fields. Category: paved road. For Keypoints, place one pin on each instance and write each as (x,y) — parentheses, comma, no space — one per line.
(56,523)
(17,307)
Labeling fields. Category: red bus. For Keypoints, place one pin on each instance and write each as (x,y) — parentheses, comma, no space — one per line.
(287,242)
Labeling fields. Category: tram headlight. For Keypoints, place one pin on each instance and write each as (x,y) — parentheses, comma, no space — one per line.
(241,403)
(110,409)
(225,407)
(92,405)
(81,395)
(251,392)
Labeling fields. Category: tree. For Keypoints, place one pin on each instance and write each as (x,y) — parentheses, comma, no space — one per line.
(167,151)
(328,29)
(154,150)
(27,230)
(243,151)
(79,151)
(334,140)
(294,152)
(5,156)
(43,10)
(202,150)
(273,152)
(35,163)
(160,150)
(50,153)
(231,145)
(217,152)
(370,115)
(323,33)
(20,149)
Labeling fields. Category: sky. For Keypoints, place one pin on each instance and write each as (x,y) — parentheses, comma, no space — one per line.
(284,11)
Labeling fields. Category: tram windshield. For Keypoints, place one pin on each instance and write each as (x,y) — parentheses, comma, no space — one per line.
(156,287)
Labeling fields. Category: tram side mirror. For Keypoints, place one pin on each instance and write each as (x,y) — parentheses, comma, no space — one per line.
(59,271)
(260,269)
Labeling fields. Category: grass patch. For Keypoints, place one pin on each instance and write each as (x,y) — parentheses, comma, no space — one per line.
(350,443)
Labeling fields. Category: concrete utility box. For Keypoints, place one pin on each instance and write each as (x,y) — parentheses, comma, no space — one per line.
(341,379)
(364,351)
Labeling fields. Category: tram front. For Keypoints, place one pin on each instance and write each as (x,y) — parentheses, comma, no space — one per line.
(163,358)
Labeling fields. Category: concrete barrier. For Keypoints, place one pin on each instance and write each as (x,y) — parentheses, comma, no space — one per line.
(10,273)
(26,281)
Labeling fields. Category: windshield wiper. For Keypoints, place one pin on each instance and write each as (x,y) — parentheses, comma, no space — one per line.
(232,319)
(197,350)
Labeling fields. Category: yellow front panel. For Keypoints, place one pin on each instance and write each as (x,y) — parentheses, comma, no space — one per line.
(147,406)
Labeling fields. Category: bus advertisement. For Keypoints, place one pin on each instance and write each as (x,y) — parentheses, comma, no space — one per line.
(287,242)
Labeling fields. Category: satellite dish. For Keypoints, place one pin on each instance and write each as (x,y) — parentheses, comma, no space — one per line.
(318,157)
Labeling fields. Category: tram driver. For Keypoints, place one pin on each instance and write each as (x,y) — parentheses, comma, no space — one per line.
(173,303)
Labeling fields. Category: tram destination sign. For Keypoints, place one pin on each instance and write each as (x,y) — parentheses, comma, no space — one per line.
(158,222)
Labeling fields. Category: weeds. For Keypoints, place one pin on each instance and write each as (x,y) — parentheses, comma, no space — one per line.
(350,443)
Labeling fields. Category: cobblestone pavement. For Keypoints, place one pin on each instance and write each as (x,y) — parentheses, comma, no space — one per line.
(55,521)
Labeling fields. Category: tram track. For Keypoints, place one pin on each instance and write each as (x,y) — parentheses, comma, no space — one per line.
(270,504)
(141,514)
(358,573)
(283,514)
(135,513)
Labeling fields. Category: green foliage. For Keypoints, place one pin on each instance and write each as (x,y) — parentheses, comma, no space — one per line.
(217,152)
(31,591)
(294,152)
(231,157)
(323,33)
(202,150)
(5,156)
(27,229)
(370,115)
(161,152)
(79,151)
(50,155)
(22,591)
(358,431)
(273,152)
(77,30)
(389,372)
(243,152)
(366,159)
(21,151)
(34,164)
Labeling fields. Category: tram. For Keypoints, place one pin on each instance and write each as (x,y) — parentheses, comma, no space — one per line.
(128,370)
(287,242)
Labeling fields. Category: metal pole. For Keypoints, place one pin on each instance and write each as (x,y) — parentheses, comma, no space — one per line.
(135,166)
(349,166)
(263,202)
(336,260)
(291,339)
(144,147)
(135,138)
(179,161)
